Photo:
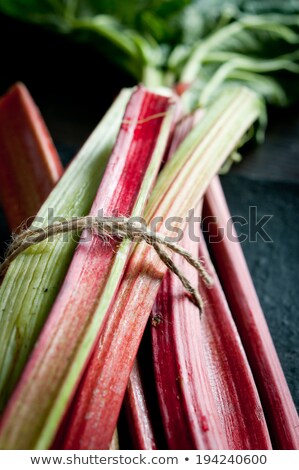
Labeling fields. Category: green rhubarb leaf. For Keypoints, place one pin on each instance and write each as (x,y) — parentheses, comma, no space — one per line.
(163,42)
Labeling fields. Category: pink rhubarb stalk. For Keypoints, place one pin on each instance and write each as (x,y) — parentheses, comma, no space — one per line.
(30,165)
(180,185)
(279,408)
(92,279)
(186,401)
(135,402)
(232,383)
(193,388)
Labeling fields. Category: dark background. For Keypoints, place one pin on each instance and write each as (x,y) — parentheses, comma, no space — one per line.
(73,86)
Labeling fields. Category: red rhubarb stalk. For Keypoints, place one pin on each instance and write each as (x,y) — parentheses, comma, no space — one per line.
(178,359)
(189,385)
(30,165)
(241,293)
(137,412)
(235,393)
(94,274)
(279,408)
(187,406)
(135,402)
(180,185)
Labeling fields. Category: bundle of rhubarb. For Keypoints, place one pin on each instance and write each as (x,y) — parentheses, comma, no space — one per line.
(74,305)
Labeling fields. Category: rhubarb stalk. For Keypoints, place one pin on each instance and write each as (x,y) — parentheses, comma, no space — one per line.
(92,279)
(33,279)
(232,383)
(180,185)
(137,412)
(279,408)
(180,366)
(30,165)
(135,402)
(190,384)
(187,406)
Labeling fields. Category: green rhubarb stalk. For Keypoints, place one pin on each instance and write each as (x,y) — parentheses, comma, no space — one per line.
(34,278)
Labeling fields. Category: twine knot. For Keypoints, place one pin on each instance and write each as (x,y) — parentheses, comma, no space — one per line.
(108,227)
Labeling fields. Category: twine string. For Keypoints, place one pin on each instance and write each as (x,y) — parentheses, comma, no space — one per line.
(147,119)
(107,228)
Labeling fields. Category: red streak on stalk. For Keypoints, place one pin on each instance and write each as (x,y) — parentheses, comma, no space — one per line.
(280,411)
(181,87)
(30,165)
(186,401)
(137,413)
(93,258)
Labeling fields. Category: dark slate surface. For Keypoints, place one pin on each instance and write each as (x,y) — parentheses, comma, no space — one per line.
(274,265)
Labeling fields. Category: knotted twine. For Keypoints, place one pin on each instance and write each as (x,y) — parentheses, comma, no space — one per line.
(107,228)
